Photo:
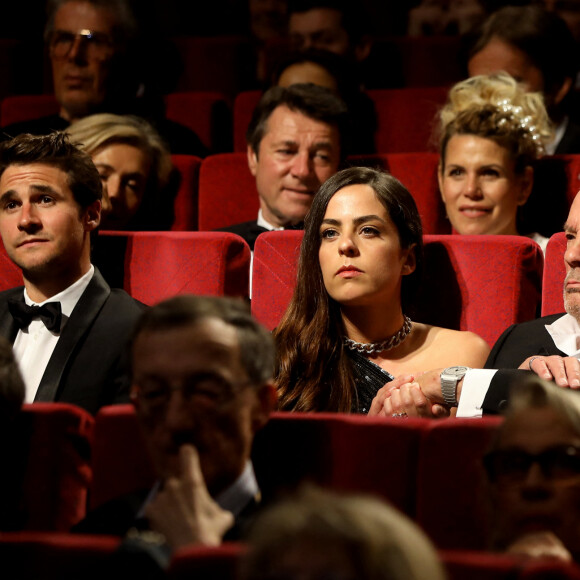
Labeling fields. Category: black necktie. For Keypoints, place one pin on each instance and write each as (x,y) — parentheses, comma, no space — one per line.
(49,313)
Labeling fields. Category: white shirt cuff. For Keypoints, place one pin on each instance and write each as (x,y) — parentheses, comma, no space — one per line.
(475,386)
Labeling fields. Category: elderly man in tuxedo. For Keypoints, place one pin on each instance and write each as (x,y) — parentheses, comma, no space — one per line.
(68,328)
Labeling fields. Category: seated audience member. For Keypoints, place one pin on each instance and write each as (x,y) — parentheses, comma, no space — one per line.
(547,346)
(68,327)
(318,534)
(347,331)
(533,469)
(436,17)
(297,139)
(93,51)
(201,386)
(335,72)
(536,48)
(568,11)
(135,168)
(491,132)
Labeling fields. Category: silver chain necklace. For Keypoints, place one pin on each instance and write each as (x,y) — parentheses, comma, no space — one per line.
(387,344)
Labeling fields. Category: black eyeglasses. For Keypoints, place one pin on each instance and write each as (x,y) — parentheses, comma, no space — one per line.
(98,45)
(203,391)
(511,466)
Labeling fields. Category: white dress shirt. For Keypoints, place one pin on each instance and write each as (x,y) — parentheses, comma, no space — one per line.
(34,346)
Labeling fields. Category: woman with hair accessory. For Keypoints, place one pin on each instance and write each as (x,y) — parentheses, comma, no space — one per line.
(491,132)
(135,167)
(347,332)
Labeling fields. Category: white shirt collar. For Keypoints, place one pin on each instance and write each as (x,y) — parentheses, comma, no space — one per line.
(265,224)
(565,333)
(69,297)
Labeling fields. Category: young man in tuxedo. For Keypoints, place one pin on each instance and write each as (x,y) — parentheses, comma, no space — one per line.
(68,328)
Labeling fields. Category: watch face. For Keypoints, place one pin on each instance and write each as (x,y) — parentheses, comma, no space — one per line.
(455,371)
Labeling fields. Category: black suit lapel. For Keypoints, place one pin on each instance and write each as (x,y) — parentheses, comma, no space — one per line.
(78,324)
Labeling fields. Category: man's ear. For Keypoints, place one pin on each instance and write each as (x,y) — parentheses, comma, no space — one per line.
(363,48)
(526,185)
(410,262)
(267,397)
(252,160)
(92,216)
(562,91)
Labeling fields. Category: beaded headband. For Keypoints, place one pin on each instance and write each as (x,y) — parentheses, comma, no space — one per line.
(525,124)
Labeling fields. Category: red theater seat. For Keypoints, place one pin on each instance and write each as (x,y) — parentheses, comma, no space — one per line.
(120,462)
(54,441)
(554,275)
(339,451)
(152,266)
(206,563)
(17,108)
(244,105)
(186,201)
(451,491)
(227,191)
(459,287)
(480,565)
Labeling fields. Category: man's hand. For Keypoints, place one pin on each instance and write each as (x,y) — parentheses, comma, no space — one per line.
(564,371)
(184,512)
(540,545)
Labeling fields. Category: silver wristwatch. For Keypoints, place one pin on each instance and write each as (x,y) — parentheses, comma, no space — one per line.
(449,379)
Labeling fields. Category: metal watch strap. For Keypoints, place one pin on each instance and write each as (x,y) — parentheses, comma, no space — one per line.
(449,379)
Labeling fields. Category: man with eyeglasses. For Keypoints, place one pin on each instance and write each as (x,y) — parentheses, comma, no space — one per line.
(202,386)
(97,67)
(533,470)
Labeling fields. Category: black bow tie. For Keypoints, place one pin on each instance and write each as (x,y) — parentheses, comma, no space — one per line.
(49,313)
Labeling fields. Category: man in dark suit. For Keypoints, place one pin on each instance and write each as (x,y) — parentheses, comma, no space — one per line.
(548,346)
(297,139)
(202,386)
(68,328)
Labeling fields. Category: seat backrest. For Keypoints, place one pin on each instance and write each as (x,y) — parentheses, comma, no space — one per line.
(554,275)
(227,191)
(10,273)
(244,105)
(17,108)
(206,562)
(50,457)
(406,117)
(339,451)
(451,483)
(480,565)
(153,266)
(205,112)
(460,289)
(186,201)
(120,462)
(418,173)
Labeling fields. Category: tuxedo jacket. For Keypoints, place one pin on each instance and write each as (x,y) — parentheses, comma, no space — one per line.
(89,364)
(513,347)
(247,230)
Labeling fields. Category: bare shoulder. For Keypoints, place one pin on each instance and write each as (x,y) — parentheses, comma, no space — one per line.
(465,347)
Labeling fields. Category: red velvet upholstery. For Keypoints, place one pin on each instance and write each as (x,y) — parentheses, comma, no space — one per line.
(244,105)
(120,461)
(205,112)
(451,492)
(53,556)
(460,289)
(339,451)
(55,437)
(479,565)
(554,275)
(16,108)
(227,191)
(158,265)
(203,563)
(418,173)
(571,164)
(10,274)
(186,201)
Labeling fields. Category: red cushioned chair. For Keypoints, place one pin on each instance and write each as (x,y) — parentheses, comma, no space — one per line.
(49,457)
(186,201)
(152,266)
(244,105)
(340,451)
(461,290)
(53,556)
(418,173)
(120,462)
(227,191)
(201,562)
(205,112)
(554,275)
(10,273)
(480,565)
(17,108)
(451,483)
